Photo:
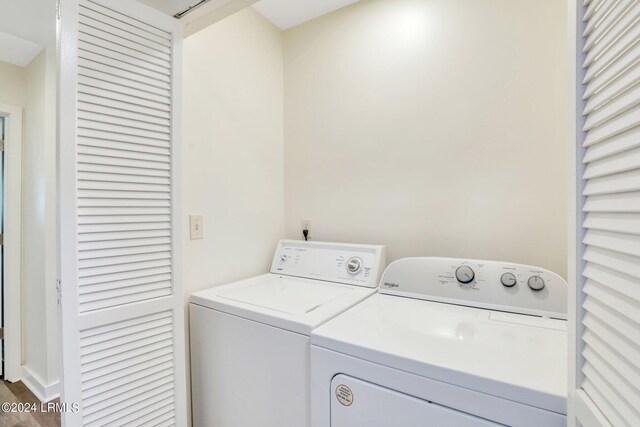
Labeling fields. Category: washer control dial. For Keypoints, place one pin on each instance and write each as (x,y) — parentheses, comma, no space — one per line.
(536,283)
(465,274)
(354,265)
(283,258)
(508,279)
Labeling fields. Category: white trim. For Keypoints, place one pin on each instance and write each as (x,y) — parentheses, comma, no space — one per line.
(575,28)
(183,406)
(44,392)
(581,411)
(572,223)
(13,243)
(67,27)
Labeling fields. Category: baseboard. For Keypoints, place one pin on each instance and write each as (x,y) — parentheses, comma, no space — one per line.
(44,392)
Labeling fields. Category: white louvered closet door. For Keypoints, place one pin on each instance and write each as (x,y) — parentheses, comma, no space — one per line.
(120,275)
(607,374)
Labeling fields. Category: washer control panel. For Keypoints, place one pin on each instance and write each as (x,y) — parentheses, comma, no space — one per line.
(352,264)
(495,285)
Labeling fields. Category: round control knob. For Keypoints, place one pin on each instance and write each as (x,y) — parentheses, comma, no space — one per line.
(536,283)
(508,279)
(283,258)
(465,274)
(354,265)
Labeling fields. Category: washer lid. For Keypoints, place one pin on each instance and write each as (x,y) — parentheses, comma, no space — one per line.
(286,294)
(512,356)
(290,303)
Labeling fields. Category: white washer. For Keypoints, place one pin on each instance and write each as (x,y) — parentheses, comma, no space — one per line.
(446,342)
(250,339)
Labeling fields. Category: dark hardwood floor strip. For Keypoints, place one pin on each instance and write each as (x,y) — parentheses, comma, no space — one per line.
(19,393)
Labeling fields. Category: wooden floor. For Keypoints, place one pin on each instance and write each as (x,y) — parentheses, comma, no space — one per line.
(19,393)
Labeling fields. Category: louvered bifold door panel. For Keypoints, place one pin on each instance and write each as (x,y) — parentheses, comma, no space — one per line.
(611,278)
(121,299)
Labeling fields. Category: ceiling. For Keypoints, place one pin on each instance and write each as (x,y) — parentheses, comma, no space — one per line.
(28,26)
(25,28)
(288,13)
(283,13)
(17,51)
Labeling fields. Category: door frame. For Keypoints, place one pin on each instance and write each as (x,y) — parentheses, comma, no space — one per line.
(581,411)
(12,243)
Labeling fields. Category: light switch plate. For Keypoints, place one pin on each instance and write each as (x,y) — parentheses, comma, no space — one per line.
(196,227)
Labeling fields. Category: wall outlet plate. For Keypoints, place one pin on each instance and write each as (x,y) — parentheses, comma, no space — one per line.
(305,224)
(196,227)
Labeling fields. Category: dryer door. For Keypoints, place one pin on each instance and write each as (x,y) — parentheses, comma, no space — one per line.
(356,403)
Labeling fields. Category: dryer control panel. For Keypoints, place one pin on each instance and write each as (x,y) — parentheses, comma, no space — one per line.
(352,264)
(494,285)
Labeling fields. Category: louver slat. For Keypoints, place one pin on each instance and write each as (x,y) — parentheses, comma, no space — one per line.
(127,42)
(595,29)
(616,144)
(624,31)
(591,9)
(621,162)
(613,89)
(619,242)
(124,146)
(130,122)
(625,121)
(616,222)
(117,20)
(609,184)
(617,47)
(616,202)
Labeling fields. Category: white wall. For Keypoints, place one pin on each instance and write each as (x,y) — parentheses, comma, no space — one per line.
(12,84)
(39,305)
(434,127)
(233,148)
(33,88)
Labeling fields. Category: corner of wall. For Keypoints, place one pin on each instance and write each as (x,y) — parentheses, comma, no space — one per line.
(39,271)
(51,244)
(203,19)
(44,391)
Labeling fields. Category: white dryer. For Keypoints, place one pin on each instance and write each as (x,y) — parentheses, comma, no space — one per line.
(446,342)
(250,339)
